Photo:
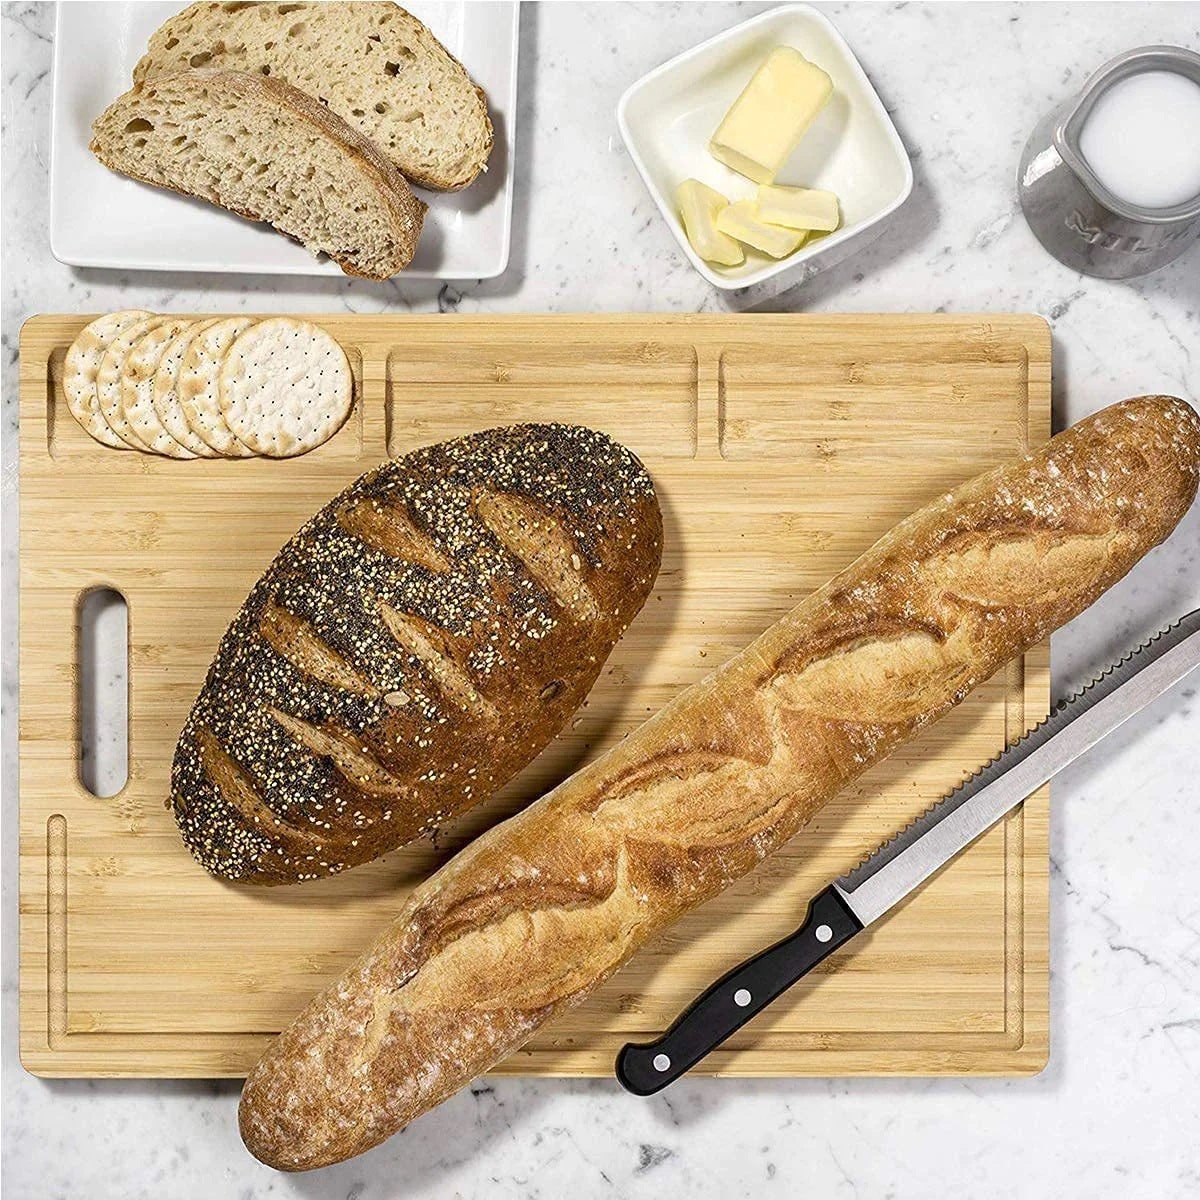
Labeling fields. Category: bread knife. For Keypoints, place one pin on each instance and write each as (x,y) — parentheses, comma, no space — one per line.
(903,863)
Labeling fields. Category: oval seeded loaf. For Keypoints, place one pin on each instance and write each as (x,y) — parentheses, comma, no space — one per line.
(414,646)
(269,152)
(536,912)
(375,65)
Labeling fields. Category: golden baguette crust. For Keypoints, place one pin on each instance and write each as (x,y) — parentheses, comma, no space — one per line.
(412,648)
(543,907)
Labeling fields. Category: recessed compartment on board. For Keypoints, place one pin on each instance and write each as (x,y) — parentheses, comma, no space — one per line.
(829,403)
(641,392)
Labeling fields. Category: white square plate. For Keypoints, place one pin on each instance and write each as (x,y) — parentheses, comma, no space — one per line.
(100,219)
(852,148)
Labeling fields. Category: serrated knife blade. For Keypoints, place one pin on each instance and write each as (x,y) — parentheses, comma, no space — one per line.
(902,864)
(881,881)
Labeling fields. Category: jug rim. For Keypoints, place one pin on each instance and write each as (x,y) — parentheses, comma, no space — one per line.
(1066,134)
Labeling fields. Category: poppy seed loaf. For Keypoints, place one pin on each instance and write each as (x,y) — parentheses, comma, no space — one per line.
(414,646)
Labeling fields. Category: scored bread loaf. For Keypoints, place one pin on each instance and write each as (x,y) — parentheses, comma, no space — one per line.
(413,647)
(533,914)
(268,152)
(375,65)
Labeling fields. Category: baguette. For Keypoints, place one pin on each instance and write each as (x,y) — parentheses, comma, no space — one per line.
(537,911)
(268,152)
(373,64)
(412,648)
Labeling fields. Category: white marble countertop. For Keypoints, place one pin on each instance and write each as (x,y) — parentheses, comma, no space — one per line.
(1117,1112)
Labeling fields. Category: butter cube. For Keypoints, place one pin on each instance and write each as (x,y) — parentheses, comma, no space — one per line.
(766,121)
(698,206)
(798,208)
(741,221)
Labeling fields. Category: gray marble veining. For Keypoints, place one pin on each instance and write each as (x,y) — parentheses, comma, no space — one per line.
(1117,1111)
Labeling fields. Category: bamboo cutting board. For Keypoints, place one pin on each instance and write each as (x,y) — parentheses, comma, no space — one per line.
(782,446)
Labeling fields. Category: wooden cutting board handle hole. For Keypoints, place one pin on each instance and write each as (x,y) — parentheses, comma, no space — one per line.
(102,697)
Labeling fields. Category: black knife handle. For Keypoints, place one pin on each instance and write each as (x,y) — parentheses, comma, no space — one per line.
(722,1010)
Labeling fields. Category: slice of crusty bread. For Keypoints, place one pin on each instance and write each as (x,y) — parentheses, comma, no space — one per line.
(269,152)
(375,65)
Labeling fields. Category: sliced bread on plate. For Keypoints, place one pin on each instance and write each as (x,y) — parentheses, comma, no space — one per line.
(373,64)
(269,152)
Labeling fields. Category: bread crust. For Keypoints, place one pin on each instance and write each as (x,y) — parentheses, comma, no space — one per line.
(536,912)
(407,212)
(414,646)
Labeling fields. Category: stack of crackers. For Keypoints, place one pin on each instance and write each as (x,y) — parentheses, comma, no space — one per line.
(218,387)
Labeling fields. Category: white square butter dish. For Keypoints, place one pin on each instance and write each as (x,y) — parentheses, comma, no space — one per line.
(852,148)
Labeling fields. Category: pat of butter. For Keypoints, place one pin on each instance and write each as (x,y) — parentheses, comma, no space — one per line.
(698,206)
(740,221)
(766,121)
(798,208)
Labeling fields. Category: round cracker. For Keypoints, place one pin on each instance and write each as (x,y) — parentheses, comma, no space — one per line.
(166,395)
(197,389)
(83,362)
(136,399)
(285,387)
(109,375)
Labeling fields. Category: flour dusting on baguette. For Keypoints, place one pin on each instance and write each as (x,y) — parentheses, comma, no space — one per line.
(536,912)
